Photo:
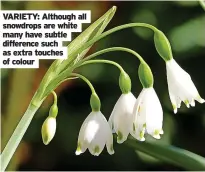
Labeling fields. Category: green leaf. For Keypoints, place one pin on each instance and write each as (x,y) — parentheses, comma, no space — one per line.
(92,31)
(170,154)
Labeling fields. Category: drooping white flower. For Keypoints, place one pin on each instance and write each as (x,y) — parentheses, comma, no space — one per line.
(48,130)
(147,115)
(94,134)
(181,86)
(121,117)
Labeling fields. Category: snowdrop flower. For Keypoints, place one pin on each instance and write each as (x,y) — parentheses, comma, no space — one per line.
(181,86)
(95,132)
(148,115)
(121,117)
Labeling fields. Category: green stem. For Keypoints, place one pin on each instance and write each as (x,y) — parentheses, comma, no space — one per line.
(124,79)
(115,29)
(103,61)
(111,50)
(53,86)
(17,135)
(54,97)
(86,80)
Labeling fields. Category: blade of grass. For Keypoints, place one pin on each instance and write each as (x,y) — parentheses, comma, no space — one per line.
(171,154)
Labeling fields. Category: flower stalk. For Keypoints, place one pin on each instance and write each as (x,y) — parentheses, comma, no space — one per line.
(17,135)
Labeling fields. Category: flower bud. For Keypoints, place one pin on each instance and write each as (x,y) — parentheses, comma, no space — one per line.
(48,129)
(95,102)
(145,75)
(125,83)
(162,45)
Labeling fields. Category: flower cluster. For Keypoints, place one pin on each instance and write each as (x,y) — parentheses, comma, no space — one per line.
(135,116)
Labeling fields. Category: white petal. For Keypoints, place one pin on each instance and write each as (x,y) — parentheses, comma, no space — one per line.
(121,116)
(199,99)
(192,103)
(161,132)
(81,148)
(110,121)
(139,117)
(83,142)
(89,128)
(186,102)
(173,101)
(109,142)
(178,103)
(154,114)
(101,137)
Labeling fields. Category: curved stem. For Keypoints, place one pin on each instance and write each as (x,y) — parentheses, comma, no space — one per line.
(86,80)
(103,61)
(54,97)
(116,49)
(115,29)
(111,50)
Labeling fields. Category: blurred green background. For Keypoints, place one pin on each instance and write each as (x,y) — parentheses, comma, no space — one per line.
(184,24)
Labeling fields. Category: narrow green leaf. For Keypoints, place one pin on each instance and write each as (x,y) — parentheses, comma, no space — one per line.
(92,31)
(170,154)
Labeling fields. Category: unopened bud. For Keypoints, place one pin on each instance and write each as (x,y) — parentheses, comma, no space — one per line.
(95,102)
(145,75)
(125,83)
(48,129)
(162,45)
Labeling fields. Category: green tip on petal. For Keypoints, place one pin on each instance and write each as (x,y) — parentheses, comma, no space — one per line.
(45,139)
(175,108)
(144,125)
(78,150)
(119,137)
(199,99)
(156,134)
(110,149)
(141,134)
(186,103)
(96,150)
